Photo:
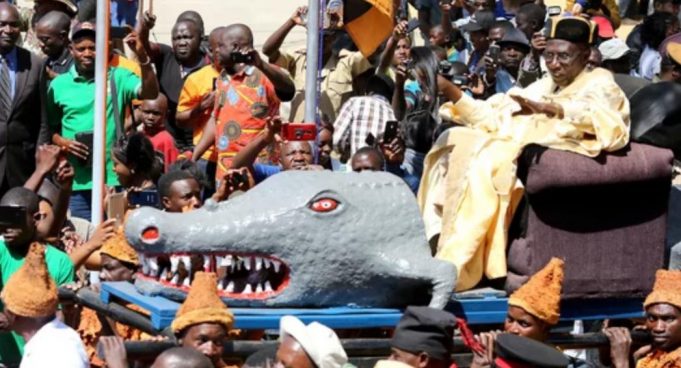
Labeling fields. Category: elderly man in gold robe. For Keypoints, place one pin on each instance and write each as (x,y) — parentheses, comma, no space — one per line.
(469,190)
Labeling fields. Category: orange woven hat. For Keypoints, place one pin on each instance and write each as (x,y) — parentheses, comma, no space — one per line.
(203,305)
(540,296)
(118,247)
(31,291)
(666,290)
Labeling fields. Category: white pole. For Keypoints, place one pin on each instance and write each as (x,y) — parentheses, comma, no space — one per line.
(312,61)
(99,140)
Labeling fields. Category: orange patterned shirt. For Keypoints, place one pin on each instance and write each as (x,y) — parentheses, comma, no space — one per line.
(243,102)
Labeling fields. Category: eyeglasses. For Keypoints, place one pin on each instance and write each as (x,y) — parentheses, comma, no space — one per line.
(562,57)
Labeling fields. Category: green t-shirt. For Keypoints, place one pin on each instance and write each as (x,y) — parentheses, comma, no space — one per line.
(71,109)
(59,266)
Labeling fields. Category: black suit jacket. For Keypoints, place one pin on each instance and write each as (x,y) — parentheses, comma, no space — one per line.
(24,128)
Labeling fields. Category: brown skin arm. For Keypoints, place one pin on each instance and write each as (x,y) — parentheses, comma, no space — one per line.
(449,89)
(247,156)
(207,140)
(142,28)
(445,21)
(399,102)
(273,43)
(64,177)
(149,90)
(83,253)
(187,119)
(283,84)
(386,59)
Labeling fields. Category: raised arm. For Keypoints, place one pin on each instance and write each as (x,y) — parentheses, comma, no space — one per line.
(274,42)
(149,89)
(283,84)
(247,156)
(388,53)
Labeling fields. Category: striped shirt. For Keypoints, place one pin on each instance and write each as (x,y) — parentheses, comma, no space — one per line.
(359,117)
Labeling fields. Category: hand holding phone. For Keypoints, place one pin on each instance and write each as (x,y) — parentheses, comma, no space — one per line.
(299,131)
(13,217)
(85,142)
(390,132)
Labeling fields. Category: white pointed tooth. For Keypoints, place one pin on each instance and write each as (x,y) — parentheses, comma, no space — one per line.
(266,263)
(186,282)
(277,265)
(248,289)
(230,287)
(239,263)
(247,263)
(153,265)
(174,279)
(145,264)
(220,286)
(258,263)
(258,289)
(206,263)
(226,261)
(187,262)
(174,262)
(268,286)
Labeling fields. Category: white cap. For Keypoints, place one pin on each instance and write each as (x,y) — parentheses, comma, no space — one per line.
(318,341)
(613,49)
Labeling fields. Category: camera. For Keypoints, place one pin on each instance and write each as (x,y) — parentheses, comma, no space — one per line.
(239,57)
(446,70)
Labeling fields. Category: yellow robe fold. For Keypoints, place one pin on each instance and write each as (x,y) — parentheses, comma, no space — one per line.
(660,359)
(469,189)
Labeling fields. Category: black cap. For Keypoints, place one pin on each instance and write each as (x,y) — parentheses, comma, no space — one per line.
(83,29)
(573,29)
(424,329)
(482,20)
(514,37)
(512,351)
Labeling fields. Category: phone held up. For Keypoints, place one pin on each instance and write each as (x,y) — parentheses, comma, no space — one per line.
(299,132)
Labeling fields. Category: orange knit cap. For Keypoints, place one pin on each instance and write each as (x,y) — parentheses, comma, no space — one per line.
(540,296)
(118,247)
(666,290)
(31,291)
(203,305)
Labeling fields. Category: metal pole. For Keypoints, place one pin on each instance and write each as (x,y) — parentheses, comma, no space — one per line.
(99,139)
(312,61)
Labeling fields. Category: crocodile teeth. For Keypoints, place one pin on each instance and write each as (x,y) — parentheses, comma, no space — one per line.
(247,263)
(248,289)
(187,262)
(145,264)
(226,261)
(186,282)
(277,265)
(174,262)
(174,279)
(220,286)
(258,289)
(230,287)
(206,263)
(258,263)
(153,265)
(239,263)
(266,263)
(268,286)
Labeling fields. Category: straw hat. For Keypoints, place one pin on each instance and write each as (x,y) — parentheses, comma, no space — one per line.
(666,289)
(118,247)
(31,291)
(540,296)
(203,305)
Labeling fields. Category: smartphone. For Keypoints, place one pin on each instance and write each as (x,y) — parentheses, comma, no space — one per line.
(116,207)
(12,217)
(390,131)
(237,178)
(412,25)
(239,57)
(299,132)
(145,198)
(494,51)
(553,11)
(119,32)
(215,84)
(86,138)
(461,80)
(370,140)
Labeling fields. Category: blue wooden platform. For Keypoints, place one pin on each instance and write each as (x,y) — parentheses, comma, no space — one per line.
(480,308)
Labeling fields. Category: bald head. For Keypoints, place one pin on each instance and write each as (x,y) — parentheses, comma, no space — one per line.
(192,16)
(21,197)
(9,15)
(52,31)
(55,20)
(182,358)
(240,31)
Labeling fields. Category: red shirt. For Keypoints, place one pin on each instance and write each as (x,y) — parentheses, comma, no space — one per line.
(164,143)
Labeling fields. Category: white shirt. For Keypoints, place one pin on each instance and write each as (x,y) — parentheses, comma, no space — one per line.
(649,64)
(55,345)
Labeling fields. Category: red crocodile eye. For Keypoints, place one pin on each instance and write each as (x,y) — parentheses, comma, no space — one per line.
(150,234)
(324,205)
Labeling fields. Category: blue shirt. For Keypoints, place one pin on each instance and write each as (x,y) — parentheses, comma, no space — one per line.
(412,181)
(262,172)
(11,59)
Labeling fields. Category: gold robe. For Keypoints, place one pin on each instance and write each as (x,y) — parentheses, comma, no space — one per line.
(660,359)
(469,189)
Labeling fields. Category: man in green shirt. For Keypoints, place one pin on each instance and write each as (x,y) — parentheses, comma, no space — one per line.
(70,108)
(17,236)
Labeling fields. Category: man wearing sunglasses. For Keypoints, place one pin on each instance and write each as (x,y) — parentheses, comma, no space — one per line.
(573,109)
(19,216)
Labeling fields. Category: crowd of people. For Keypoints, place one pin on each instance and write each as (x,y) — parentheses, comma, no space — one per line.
(208,116)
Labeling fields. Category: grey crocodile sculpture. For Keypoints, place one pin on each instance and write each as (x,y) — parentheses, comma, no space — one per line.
(299,239)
